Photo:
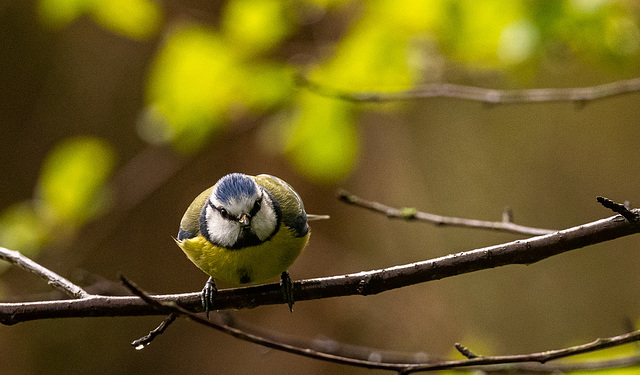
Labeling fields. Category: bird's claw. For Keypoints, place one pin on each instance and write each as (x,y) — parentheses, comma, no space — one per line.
(286,286)
(207,295)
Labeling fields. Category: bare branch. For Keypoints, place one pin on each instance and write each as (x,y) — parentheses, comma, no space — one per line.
(144,341)
(378,355)
(525,251)
(96,306)
(405,368)
(411,214)
(619,208)
(540,357)
(556,368)
(53,279)
(465,351)
(246,336)
(480,94)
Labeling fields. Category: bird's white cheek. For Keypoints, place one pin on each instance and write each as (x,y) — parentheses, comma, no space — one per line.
(222,232)
(264,223)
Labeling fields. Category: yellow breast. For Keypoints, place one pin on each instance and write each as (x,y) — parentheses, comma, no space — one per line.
(249,264)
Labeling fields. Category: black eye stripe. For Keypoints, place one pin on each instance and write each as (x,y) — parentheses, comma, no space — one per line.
(256,207)
(223,212)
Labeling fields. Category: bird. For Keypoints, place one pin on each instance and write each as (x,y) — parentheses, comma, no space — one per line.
(245,229)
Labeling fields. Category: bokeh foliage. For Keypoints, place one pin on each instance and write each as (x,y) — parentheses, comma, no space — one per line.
(204,78)
(208,76)
(136,19)
(73,189)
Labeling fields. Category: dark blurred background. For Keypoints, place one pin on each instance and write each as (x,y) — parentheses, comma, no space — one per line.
(116,114)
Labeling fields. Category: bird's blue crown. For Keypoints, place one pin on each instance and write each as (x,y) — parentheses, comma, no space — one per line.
(234,185)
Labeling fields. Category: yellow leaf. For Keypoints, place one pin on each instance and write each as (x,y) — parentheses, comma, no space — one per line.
(73,177)
(59,13)
(22,229)
(322,141)
(254,26)
(136,19)
(192,83)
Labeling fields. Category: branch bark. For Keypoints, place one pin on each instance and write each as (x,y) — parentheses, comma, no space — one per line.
(52,278)
(411,214)
(472,360)
(480,94)
(539,357)
(362,283)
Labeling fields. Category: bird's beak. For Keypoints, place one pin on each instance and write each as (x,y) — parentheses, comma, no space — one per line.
(245,220)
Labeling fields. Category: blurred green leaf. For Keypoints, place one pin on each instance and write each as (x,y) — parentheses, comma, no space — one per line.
(192,82)
(59,13)
(73,178)
(622,35)
(607,354)
(475,31)
(267,85)
(255,26)
(410,17)
(517,42)
(612,371)
(372,56)
(327,3)
(22,228)
(137,19)
(198,81)
(322,141)
(599,30)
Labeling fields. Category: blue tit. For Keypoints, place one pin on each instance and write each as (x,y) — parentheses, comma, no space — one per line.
(245,229)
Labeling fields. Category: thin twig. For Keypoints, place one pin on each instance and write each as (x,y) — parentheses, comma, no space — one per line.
(465,351)
(563,367)
(480,94)
(472,359)
(306,352)
(327,345)
(386,356)
(53,279)
(162,303)
(144,341)
(540,357)
(412,214)
(525,251)
(619,208)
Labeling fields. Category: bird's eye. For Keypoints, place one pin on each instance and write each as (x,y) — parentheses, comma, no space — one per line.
(256,207)
(223,213)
